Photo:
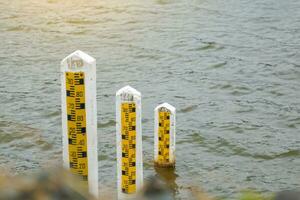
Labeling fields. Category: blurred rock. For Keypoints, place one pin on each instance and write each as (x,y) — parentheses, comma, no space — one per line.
(288,195)
(156,189)
(58,185)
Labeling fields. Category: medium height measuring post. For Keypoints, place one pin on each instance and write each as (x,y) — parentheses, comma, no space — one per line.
(129,142)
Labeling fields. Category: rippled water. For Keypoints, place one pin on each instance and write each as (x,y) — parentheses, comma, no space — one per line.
(231,68)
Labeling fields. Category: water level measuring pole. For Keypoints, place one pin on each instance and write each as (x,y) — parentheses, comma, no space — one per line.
(79,118)
(164,135)
(129,142)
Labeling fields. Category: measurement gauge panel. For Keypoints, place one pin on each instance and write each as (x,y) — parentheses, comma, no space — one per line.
(163,137)
(77,136)
(128,131)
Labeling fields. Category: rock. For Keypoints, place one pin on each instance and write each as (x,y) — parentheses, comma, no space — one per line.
(288,195)
(156,189)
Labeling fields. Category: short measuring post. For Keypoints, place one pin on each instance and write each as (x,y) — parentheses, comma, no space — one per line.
(164,135)
(79,118)
(129,142)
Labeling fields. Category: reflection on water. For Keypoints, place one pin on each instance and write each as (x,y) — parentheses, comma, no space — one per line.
(231,68)
(169,176)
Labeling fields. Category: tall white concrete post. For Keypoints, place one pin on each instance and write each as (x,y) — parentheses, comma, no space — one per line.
(79,118)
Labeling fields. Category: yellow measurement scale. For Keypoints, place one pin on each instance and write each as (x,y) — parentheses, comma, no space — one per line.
(128,131)
(129,142)
(164,138)
(164,135)
(76,125)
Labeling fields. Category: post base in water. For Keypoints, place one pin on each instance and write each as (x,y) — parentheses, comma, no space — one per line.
(164,165)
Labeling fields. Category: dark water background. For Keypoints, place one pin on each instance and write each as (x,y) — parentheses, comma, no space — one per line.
(231,68)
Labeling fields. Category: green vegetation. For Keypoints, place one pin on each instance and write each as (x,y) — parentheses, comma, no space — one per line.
(252,195)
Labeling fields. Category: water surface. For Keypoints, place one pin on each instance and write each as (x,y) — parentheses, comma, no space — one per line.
(231,68)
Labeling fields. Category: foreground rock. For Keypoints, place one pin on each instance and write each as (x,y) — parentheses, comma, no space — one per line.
(288,195)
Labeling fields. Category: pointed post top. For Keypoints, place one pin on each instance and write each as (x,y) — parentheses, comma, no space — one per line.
(167,106)
(128,93)
(128,89)
(76,55)
(78,60)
